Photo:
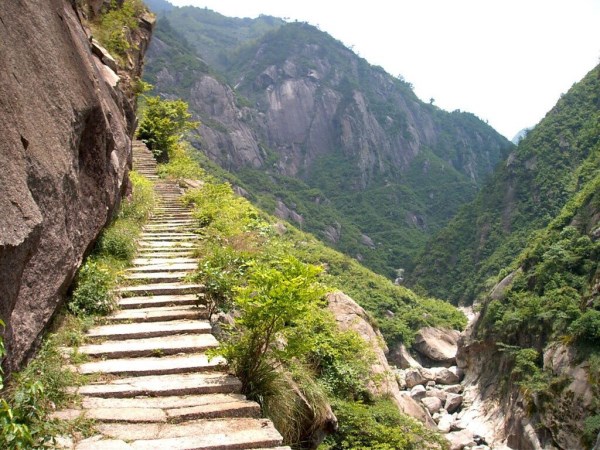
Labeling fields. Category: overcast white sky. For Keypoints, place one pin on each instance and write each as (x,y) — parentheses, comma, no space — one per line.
(507,61)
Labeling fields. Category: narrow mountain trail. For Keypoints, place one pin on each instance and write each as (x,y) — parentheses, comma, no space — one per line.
(156,388)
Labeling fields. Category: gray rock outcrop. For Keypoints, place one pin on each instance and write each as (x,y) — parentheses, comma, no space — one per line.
(438,346)
(349,315)
(65,129)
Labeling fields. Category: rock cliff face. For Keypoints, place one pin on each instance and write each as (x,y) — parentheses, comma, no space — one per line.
(65,129)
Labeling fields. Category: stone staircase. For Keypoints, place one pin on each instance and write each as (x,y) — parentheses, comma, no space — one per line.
(157,388)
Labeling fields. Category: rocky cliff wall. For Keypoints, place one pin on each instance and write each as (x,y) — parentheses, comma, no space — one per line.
(65,139)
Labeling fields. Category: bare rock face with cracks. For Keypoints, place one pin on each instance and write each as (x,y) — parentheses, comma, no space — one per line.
(65,133)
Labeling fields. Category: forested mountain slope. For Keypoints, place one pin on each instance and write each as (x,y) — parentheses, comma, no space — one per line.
(315,134)
(551,164)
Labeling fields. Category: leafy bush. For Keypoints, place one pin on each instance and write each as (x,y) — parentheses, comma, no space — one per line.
(163,124)
(115,25)
(93,290)
(271,308)
(31,395)
(380,426)
(587,327)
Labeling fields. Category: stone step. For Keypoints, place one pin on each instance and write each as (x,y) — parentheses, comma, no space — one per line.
(211,434)
(157,277)
(160,289)
(136,348)
(164,244)
(148,330)
(165,267)
(168,237)
(164,402)
(165,234)
(164,385)
(167,262)
(144,366)
(158,301)
(173,254)
(160,314)
(137,414)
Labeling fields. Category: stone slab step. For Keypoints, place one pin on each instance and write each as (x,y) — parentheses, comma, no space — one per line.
(171,237)
(160,314)
(164,365)
(165,402)
(165,266)
(221,434)
(149,253)
(148,330)
(167,262)
(166,244)
(164,385)
(165,345)
(138,414)
(157,277)
(160,289)
(158,301)
(242,408)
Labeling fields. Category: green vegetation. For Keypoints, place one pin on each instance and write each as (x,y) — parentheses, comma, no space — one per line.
(378,426)
(98,276)
(549,166)
(114,26)
(163,124)
(400,204)
(35,392)
(284,345)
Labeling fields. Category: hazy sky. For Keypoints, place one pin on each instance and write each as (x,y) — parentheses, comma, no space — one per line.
(507,61)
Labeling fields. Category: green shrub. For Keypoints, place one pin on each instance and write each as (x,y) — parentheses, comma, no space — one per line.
(93,290)
(163,124)
(378,426)
(587,327)
(591,429)
(38,389)
(271,308)
(116,24)
(119,240)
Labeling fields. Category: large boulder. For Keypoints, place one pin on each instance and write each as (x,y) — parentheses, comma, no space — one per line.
(438,346)
(400,357)
(65,135)
(350,316)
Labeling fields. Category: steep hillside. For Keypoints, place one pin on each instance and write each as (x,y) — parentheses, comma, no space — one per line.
(66,119)
(316,135)
(550,164)
(538,334)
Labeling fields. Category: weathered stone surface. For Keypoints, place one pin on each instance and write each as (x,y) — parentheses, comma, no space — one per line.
(442,395)
(160,289)
(414,377)
(153,301)
(167,385)
(418,392)
(453,402)
(460,439)
(349,315)
(433,404)
(164,365)
(65,140)
(445,423)
(197,434)
(159,314)
(402,358)
(443,375)
(438,345)
(167,345)
(149,329)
